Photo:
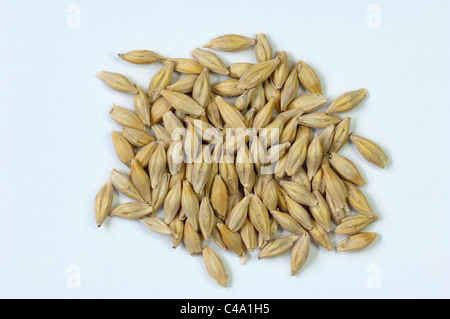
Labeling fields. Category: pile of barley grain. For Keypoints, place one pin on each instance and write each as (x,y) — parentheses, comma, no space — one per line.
(236,173)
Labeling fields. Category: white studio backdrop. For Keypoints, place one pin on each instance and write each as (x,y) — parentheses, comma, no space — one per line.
(57,150)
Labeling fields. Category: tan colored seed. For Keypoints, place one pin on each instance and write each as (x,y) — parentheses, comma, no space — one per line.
(270,195)
(190,205)
(369,150)
(206,217)
(290,89)
(213,113)
(271,92)
(314,157)
(175,157)
(136,137)
(125,117)
(288,223)
(201,170)
(183,103)
(141,180)
(318,120)
(232,240)
(230,114)
(326,138)
(273,227)
(227,88)
(321,212)
(210,61)
(172,203)
(160,81)
(238,69)
(304,131)
(217,237)
(296,156)
(192,143)
(299,193)
(157,225)
(172,124)
(259,99)
(144,154)
(184,84)
(308,78)
(298,213)
(158,109)
(132,210)
(280,74)
(212,175)
(257,74)
(279,120)
(302,178)
(356,242)
(140,56)
(354,224)
(278,246)
(299,253)
(185,66)
(321,236)
(159,192)
(277,151)
(307,102)
(280,168)
(249,116)
(215,266)
(264,116)
(341,135)
(317,182)
(230,43)
(142,106)
(258,153)
(178,177)
(244,168)
(238,214)
(122,182)
(201,92)
(219,197)
(157,164)
(263,50)
(249,235)
(177,227)
(192,239)
(337,214)
(346,169)
(117,82)
(289,131)
(358,201)
(228,173)
(259,216)
(103,203)
(243,101)
(123,148)
(182,214)
(335,187)
(260,182)
(347,101)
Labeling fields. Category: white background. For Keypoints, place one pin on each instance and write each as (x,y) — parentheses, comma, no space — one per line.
(56,149)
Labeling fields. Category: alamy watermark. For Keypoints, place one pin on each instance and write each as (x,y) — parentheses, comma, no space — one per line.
(73,280)
(374,278)
(74,19)
(374,18)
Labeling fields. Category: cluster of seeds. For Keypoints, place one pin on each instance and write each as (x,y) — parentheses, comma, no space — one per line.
(239,161)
